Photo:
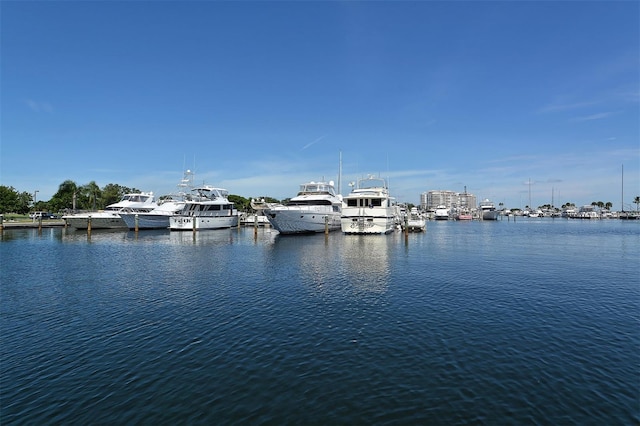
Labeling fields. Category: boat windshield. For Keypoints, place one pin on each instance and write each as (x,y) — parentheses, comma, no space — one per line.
(136,198)
(316,188)
(372,182)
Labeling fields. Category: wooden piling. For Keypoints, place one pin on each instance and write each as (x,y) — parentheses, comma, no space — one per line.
(137,223)
(255,225)
(326,225)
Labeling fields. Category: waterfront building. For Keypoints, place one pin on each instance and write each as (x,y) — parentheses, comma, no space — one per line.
(450,199)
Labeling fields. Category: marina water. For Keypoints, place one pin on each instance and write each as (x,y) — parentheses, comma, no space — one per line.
(529,322)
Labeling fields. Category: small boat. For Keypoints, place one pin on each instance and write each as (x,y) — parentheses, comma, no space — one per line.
(207,207)
(488,210)
(464,215)
(416,222)
(315,208)
(587,212)
(110,217)
(368,208)
(168,206)
(535,213)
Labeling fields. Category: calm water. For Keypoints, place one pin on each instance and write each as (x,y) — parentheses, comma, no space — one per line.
(533,322)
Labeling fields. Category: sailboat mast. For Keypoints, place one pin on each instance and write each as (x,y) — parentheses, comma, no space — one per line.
(622,191)
(340,175)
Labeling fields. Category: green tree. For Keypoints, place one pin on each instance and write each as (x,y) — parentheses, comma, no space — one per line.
(63,199)
(240,203)
(112,193)
(89,197)
(608,205)
(636,201)
(11,201)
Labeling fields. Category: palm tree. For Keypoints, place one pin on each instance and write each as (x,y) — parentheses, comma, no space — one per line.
(636,201)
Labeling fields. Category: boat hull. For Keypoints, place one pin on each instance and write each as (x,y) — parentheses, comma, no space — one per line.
(190,223)
(416,225)
(367,221)
(490,215)
(100,220)
(146,221)
(303,221)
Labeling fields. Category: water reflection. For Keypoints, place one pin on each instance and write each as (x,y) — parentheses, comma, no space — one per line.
(365,262)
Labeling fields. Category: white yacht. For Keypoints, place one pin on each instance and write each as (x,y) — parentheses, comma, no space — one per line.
(158,218)
(206,208)
(488,210)
(315,208)
(442,213)
(415,221)
(110,218)
(368,208)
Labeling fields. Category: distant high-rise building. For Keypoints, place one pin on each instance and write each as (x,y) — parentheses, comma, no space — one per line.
(450,199)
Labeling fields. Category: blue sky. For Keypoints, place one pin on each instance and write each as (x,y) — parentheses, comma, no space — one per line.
(258,97)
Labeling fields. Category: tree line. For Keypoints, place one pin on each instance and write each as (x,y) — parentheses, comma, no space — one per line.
(90,196)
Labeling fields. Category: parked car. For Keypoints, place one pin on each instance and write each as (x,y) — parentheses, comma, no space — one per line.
(38,215)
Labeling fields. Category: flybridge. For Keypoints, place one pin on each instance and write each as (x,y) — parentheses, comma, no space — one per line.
(370,182)
(313,188)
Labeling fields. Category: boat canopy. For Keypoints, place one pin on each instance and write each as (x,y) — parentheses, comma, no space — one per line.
(211,192)
(137,198)
(316,188)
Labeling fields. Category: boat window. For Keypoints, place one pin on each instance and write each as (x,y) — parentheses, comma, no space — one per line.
(352,203)
(310,203)
(376,202)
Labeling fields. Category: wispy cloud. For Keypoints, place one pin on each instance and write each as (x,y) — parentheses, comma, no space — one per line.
(566,106)
(598,116)
(315,141)
(39,106)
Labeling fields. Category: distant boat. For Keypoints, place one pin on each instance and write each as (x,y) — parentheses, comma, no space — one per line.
(488,210)
(158,218)
(535,213)
(587,212)
(110,218)
(315,208)
(463,215)
(442,213)
(368,208)
(416,222)
(206,208)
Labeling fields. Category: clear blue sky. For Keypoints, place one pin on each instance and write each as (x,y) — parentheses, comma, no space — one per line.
(258,97)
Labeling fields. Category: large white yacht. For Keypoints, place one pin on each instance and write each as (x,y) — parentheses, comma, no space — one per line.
(441,213)
(206,208)
(110,218)
(488,210)
(315,208)
(369,209)
(158,218)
